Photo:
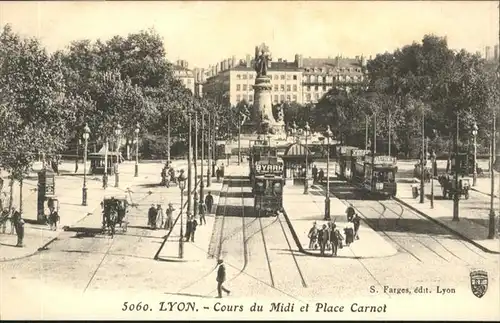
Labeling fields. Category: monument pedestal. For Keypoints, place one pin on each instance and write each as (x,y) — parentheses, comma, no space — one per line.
(263,121)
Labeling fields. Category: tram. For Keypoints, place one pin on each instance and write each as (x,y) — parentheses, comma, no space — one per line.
(259,150)
(267,186)
(376,175)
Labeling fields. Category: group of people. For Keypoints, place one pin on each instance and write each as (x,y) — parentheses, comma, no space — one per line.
(157,219)
(16,224)
(329,237)
(167,175)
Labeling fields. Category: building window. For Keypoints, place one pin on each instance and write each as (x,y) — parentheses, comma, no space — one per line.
(251,76)
(294,98)
(275,87)
(288,98)
(288,87)
(282,76)
(282,98)
(282,87)
(275,76)
(276,99)
(315,88)
(238,98)
(238,87)
(244,87)
(308,88)
(245,98)
(347,78)
(324,87)
(244,76)
(238,76)
(295,77)
(189,81)
(316,96)
(289,77)
(250,97)
(295,88)
(308,97)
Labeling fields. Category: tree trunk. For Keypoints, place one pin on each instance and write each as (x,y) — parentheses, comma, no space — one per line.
(21,196)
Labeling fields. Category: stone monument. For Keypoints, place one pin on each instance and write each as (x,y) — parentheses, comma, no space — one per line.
(262,120)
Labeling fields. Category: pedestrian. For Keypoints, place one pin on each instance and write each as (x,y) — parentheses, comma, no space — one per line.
(53,218)
(104,180)
(313,236)
(209,201)
(222,170)
(221,278)
(323,238)
(19,226)
(4,217)
(152,216)
(202,211)
(218,174)
(189,227)
(169,221)
(194,224)
(350,213)
(315,174)
(356,221)
(349,233)
(159,216)
(321,176)
(334,239)
(164,176)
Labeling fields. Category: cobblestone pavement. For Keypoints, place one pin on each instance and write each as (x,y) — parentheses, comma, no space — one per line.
(261,258)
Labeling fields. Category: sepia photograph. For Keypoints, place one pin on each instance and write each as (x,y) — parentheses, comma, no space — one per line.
(250,160)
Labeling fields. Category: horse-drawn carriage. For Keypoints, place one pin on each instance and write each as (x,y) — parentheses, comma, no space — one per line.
(114,212)
(417,172)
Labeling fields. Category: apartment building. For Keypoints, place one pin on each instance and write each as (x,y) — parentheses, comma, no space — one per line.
(184,74)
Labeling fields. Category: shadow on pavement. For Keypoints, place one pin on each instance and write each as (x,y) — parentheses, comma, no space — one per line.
(8,245)
(190,295)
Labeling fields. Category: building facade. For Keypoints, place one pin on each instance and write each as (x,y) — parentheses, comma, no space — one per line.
(304,80)
(185,75)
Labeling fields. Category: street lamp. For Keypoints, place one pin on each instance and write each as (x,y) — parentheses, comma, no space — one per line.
(118,132)
(306,182)
(474,172)
(422,177)
(136,131)
(86,134)
(209,149)
(328,134)
(202,184)
(182,185)
(433,160)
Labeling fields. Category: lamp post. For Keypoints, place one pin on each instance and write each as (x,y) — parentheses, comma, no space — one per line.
(474,172)
(195,161)
(202,154)
(86,134)
(306,182)
(214,151)
(136,131)
(422,177)
(328,134)
(190,158)
(433,160)
(168,139)
(366,132)
(182,185)
(455,189)
(209,149)
(118,132)
(491,217)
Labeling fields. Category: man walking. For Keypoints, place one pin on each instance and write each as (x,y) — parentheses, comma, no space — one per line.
(209,201)
(170,221)
(221,278)
(313,236)
(19,226)
(159,216)
(202,211)
(152,216)
(194,224)
(189,227)
(323,238)
(356,220)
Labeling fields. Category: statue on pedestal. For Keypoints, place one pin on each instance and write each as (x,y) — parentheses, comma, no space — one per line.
(262,58)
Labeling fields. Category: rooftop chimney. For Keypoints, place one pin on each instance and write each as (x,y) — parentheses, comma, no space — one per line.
(248,61)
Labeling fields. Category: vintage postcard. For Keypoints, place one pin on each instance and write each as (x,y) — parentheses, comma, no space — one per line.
(229,160)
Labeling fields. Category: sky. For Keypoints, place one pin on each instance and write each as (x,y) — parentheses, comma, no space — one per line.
(205,32)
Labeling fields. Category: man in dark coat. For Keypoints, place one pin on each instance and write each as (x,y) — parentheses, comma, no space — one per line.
(321,176)
(221,278)
(356,220)
(202,211)
(19,226)
(194,224)
(323,238)
(334,239)
(315,174)
(152,216)
(189,227)
(209,201)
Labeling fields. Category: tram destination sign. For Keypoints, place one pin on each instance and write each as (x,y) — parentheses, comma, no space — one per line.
(384,160)
(268,168)
(360,152)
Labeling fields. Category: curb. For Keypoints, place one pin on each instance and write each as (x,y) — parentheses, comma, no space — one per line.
(42,248)
(462,236)
(488,194)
